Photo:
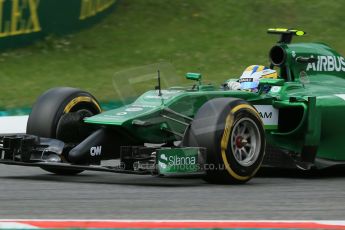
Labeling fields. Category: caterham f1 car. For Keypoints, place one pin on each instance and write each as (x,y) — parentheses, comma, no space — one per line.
(220,134)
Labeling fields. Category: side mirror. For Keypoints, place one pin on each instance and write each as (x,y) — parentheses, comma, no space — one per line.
(194,76)
(272,82)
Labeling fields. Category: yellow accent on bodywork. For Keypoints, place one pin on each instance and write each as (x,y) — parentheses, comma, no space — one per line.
(300,33)
(278,29)
(225,139)
(296,32)
(77,100)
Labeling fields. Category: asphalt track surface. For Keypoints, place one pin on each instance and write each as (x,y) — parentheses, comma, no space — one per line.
(31,193)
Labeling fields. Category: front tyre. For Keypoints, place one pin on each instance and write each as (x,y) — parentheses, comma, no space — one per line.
(59,113)
(232,132)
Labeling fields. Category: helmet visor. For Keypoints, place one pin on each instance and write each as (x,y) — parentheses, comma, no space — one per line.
(249,85)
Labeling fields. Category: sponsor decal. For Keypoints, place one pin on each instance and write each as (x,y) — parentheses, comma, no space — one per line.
(181,160)
(96,151)
(178,160)
(90,8)
(171,91)
(293,54)
(145,106)
(342,96)
(107,117)
(303,77)
(134,109)
(245,80)
(162,165)
(163,157)
(275,89)
(13,124)
(269,115)
(158,97)
(23,18)
(20,18)
(166,94)
(328,63)
(121,113)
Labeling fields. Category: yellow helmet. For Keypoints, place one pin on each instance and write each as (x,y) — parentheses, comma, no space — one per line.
(252,75)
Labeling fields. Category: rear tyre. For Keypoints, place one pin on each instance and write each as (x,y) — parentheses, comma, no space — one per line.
(232,132)
(58,113)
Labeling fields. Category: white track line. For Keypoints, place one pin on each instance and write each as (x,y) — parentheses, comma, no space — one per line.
(254,224)
(16,225)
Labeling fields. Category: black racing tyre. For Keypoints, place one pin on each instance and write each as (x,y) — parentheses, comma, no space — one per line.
(232,132)
(51,109)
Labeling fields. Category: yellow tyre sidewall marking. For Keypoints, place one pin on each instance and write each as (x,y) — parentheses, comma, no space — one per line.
(77,100)
(225,139)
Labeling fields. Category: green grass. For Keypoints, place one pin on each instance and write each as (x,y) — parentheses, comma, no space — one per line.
(218,38)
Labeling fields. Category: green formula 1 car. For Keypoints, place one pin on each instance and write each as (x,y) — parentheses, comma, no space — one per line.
(220,134)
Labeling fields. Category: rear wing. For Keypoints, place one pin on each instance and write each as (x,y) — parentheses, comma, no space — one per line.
(286,34)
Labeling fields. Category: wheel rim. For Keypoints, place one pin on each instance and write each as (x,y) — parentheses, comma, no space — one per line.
(245,142)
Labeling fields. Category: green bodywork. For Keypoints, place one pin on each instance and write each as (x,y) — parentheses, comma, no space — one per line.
(303,111)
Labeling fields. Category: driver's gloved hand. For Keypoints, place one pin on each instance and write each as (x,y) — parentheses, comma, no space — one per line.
(234,85)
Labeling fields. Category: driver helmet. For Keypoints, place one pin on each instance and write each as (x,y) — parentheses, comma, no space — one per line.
(252,75)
